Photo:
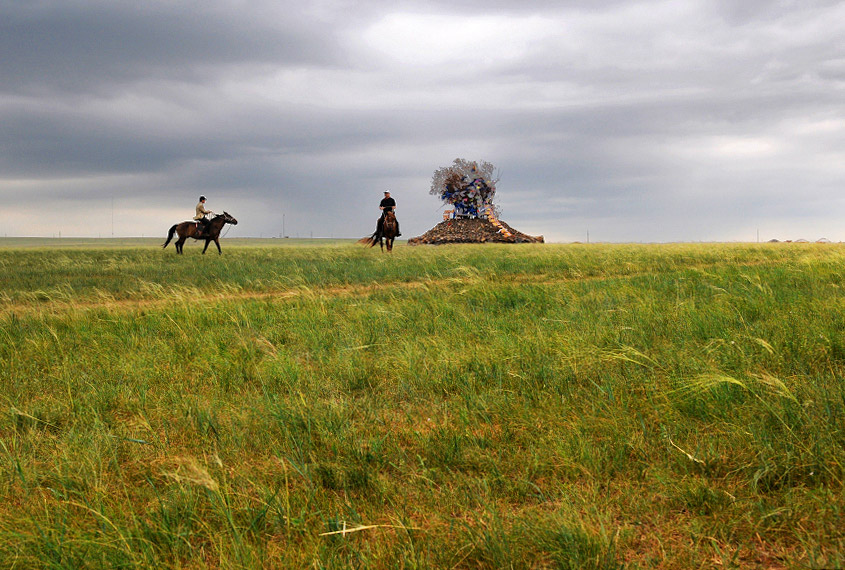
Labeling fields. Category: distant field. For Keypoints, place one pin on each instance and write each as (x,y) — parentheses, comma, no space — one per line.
(106,243)
(297,403)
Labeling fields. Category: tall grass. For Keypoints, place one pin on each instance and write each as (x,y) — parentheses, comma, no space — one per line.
(543,406)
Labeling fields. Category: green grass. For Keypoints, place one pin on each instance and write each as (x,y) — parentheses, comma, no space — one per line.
(324,405)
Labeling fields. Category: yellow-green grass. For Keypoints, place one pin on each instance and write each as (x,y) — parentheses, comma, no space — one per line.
(326,405)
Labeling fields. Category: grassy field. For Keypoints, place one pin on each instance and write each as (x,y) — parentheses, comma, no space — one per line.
(320,405)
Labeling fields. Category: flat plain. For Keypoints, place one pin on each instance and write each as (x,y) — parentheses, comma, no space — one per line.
(316,404)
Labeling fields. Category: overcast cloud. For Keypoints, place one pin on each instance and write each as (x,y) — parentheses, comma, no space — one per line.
(682,120)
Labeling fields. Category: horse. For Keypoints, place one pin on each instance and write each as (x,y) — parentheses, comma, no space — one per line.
(389,229)
(211,231)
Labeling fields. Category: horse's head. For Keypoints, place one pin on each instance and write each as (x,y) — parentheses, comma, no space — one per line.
(228,219)
(390,225)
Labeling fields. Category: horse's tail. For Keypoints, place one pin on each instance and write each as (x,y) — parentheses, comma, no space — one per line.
(369,240)
(170,235)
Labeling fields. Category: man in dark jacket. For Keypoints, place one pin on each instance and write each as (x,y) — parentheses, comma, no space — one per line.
(386,205)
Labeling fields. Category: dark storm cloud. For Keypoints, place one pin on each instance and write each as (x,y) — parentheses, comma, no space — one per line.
(83,46)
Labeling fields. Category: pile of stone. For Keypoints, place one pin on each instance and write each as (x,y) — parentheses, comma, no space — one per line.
(471,230)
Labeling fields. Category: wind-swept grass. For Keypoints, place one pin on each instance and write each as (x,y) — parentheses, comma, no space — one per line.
(580,406)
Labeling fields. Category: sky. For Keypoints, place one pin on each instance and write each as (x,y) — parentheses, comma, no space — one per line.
(607,120)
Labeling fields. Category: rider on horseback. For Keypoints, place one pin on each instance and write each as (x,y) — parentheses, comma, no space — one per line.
(201,214)
(386,205)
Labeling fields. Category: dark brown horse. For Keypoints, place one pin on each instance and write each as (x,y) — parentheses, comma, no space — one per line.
(389,229)
(210,233)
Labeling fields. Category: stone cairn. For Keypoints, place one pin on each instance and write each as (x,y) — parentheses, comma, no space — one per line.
(469,188)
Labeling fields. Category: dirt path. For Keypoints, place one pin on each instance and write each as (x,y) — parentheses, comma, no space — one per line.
(57,307)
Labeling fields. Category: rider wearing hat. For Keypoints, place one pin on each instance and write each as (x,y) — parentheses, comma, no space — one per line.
(201,213)
(386,205)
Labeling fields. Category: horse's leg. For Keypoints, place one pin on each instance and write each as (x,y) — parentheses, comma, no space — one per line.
(389,245)
(207,241)
(183,237)
(217,243)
